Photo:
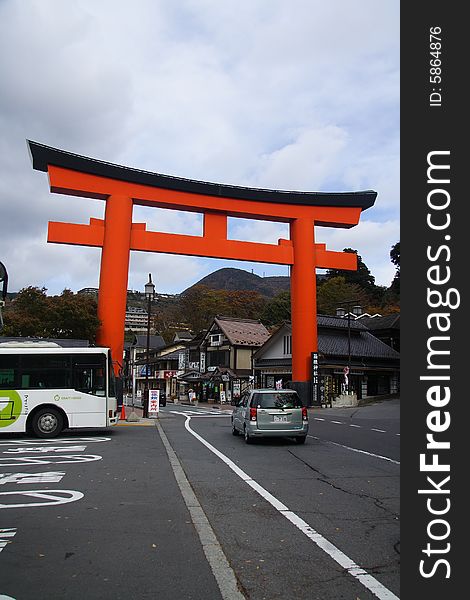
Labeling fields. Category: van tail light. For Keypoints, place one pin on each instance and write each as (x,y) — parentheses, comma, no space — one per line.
(253,416)
(304,413)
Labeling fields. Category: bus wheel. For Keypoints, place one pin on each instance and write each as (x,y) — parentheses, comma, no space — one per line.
(47,423)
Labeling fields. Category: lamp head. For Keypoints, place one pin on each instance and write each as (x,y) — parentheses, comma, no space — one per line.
(150,289)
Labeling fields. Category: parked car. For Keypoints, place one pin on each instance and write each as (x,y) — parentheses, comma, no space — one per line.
(270,413)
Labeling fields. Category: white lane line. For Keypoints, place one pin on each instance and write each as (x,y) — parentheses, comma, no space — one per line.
(318,419)
(352,425)
(223,573)
(395,462)
(337,422)
(379,430)
(335,553)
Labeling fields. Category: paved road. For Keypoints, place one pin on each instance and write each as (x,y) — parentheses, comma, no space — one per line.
(131,534)
(351,498)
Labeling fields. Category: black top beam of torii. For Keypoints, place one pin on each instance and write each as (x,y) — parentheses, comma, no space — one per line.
(42,156)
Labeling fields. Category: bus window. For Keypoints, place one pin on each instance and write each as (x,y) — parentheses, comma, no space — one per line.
(90,378)
(8,369)
(48,371)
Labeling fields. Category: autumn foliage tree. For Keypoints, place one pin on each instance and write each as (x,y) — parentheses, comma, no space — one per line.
(200,305)
(34,314)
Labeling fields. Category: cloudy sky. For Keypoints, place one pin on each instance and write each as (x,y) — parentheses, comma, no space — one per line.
(299,95)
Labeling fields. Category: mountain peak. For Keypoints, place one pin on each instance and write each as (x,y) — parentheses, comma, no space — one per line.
(232,279)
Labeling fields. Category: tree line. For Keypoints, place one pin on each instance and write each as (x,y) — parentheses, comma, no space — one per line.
(70,315)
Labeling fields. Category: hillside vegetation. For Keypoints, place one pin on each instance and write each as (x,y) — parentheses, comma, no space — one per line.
(230,292)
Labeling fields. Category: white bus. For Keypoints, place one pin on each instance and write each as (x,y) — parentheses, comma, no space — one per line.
(45,388)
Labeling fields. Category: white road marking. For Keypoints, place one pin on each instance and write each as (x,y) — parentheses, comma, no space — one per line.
(51,497)
(29,478)
(352,425)
(223,573)
(335,553)
(192,413)
(44,449)
(51,460)
(356,450)
(81,440)
(5,534)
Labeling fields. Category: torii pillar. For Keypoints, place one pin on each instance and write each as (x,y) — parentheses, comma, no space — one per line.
(122,188)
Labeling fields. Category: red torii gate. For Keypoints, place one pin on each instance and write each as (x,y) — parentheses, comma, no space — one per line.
(123,187)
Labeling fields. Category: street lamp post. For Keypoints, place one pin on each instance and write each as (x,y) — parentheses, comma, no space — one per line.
(149,294)
(340,312)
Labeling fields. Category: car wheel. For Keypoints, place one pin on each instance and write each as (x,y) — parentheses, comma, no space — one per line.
(234,429)
(247,436)
(47,423)
(301,439)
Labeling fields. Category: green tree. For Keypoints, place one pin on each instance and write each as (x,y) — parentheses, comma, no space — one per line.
(26,316)
(395,258)
(34,314)
(74,316)
(361,277)
(337,290)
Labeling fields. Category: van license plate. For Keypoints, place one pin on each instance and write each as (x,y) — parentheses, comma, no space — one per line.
(280,418)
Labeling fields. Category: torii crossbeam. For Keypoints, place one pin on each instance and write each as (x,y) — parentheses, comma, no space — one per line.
(122,188)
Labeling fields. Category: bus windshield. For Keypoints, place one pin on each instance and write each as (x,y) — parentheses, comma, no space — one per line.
(111,378)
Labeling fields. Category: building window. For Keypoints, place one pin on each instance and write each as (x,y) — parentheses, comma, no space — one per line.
(287,344)
(216,339)
(218,358)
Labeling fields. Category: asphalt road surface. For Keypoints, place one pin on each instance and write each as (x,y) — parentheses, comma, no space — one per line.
(291,522)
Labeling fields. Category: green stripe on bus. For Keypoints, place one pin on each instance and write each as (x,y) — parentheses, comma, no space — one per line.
(12,404)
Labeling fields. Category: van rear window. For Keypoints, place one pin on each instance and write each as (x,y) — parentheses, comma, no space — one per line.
(276,400)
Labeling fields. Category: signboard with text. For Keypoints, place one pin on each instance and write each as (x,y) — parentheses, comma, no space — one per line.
(154,404)
(315,379)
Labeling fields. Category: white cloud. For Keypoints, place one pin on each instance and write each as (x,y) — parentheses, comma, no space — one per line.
(249,93)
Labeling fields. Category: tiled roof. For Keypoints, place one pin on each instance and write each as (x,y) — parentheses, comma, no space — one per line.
(339,322)
(333,340)
(362,344)
(156,341)
(387,322)
(243,332)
